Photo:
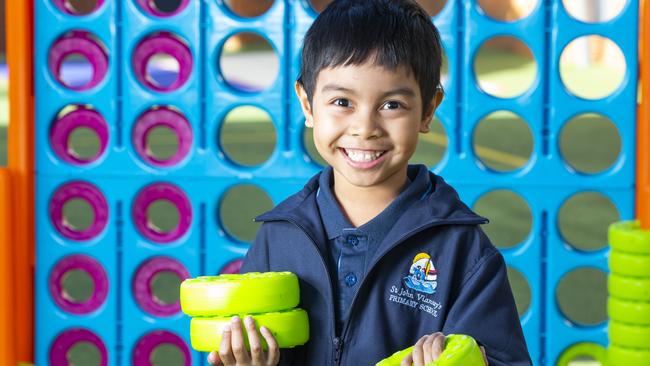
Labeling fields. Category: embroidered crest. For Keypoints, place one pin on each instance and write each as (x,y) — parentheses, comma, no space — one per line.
(422,275)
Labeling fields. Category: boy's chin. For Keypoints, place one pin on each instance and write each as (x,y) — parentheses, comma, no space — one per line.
(373,178)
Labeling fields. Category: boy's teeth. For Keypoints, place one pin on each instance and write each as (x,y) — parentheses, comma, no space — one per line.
(363,156)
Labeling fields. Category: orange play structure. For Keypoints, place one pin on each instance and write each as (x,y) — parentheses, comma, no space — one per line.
(17,196)
(17,182)
(643,129)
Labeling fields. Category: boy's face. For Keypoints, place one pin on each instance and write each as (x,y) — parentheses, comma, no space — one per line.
(366,120)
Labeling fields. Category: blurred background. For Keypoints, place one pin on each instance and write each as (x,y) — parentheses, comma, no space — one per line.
(591,67)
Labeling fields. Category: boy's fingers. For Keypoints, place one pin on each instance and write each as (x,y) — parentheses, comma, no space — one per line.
(225,352)
(274,350)
(257,354)
(427,349)
(484,356)
(438,345)
(238,344)
(417,354)
(213,358)
(407,361)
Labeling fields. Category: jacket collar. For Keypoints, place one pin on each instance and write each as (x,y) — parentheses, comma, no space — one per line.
(440,206)
(335,221)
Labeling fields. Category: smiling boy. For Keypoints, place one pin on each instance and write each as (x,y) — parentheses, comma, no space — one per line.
(387,255)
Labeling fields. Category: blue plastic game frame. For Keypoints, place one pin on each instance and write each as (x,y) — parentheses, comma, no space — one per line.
(545,182)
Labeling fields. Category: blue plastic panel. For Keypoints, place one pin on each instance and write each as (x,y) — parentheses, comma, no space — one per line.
(206,173)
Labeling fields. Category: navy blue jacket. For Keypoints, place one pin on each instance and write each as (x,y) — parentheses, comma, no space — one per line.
(436,270)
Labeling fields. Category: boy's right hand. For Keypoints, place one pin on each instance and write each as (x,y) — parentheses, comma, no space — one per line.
(233,352)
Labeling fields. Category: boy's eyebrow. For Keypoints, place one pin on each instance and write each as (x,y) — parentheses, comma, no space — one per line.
(336,87)
(405,91)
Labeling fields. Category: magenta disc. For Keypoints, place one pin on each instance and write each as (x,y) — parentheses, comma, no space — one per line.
(167,44)
(149,342)
(162,117)
(159,191)
(142,285)
(63,127)
(150,7)
(82,43)
(68,339)
(92,196)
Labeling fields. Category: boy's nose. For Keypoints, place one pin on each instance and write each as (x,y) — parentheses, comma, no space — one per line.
(365,125)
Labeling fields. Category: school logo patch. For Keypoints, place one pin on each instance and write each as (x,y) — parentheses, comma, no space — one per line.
(423,276)
(415,290)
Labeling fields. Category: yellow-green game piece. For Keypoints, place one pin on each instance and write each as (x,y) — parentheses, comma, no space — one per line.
(629,288)
(248,293)
(290,328)
(630,312)
(460,350)
(627,236)
(593,350)
(621,356)
(631,265)
(629,335)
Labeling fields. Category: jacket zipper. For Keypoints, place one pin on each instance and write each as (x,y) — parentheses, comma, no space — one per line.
(338,349)
(337,342)
(402,239)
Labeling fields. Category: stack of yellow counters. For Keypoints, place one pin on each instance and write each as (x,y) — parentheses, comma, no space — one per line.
(628,306)
(270,298)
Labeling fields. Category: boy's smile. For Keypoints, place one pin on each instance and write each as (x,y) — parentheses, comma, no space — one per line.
(366,121)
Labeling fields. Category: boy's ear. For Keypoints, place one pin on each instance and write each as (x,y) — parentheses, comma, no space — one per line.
(428,116)
(304,104)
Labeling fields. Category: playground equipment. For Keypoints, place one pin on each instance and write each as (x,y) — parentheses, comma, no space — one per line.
(629,261)
(121,253)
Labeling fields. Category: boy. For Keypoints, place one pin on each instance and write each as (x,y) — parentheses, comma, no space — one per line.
(386,253)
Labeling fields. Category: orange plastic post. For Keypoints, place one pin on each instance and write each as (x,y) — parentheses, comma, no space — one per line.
(7,346)
(20,248)
(643,129)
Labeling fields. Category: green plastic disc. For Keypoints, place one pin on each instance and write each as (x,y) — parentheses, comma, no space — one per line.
(593,350)
(396,358)
(629,312)
(621,356)
(627,236)
(629,335)
(631,265)
(290,328)
(248,293)
(460,350)
(629,288)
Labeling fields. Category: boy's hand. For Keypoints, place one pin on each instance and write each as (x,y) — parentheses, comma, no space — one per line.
(428,349)
(233,352)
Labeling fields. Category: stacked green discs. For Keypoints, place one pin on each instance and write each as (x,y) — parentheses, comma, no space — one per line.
(270,298)
(628,306)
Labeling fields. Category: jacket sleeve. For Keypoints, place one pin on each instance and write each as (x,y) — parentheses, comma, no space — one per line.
(485,309)
(257,260)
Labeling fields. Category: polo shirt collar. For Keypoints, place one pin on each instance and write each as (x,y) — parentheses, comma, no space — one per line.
(335,221)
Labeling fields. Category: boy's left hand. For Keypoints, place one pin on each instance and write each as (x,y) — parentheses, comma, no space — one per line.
(428,349)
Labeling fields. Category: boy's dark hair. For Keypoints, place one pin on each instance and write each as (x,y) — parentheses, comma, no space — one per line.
(393,32)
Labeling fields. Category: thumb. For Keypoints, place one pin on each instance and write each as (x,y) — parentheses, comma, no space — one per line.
(213,358)
(484,355)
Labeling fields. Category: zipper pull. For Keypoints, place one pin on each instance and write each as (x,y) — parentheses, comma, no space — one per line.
(338,349)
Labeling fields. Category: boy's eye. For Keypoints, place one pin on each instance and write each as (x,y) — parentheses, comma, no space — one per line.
(391,105)
(342,102)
